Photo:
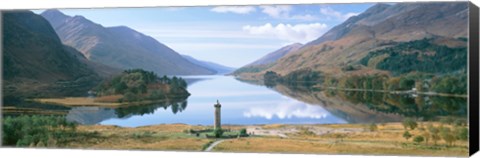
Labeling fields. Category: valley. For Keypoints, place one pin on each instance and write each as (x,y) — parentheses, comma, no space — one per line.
(390,80)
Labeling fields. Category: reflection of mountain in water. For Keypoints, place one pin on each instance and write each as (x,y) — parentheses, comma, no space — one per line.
(95,115)
(192,80)
(425,107)
(125,112)
(351,112)
(90,115)
(367,107)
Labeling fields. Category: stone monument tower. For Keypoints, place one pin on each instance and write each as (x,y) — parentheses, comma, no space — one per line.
(218,124)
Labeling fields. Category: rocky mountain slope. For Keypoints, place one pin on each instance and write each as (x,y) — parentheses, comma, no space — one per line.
(379,27)
(36,63)
(274,56)
(120,47)
(267,60)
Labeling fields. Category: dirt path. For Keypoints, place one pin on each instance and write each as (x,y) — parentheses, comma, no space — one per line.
(214,144)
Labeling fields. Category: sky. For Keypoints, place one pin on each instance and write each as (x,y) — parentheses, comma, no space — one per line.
(229,35)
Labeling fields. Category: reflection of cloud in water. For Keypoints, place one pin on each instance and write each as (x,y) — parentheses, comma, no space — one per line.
(287,109)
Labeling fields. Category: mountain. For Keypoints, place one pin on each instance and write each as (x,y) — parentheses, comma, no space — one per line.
(267,60)
(379,27)
(36,63)
(120,46)
(219,69)
(274,56)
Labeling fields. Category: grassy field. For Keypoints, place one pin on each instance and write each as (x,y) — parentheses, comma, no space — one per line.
(343,139)
(160,137)
(318,139)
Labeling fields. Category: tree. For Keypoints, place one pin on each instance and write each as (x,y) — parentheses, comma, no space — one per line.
(218,132)
(35,130)
(373,127)
(434,133)
(461,133)
(129,96)
(460,122)
(120,87)
(447,120)
(157,94)
(427,136)
(449,138)
(243,132)
(407,135)
(447,135)
(418,139)
(409,123)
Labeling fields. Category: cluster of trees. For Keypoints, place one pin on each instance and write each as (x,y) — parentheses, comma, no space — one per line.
(451,84)
(303,77)
(138,84)
(270,78)
(420,55)
(36,130)
(435,133)
(455,83)
(417,64)
(132,81)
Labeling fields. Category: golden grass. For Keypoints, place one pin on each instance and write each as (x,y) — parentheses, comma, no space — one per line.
(387,140)
(273,126)
(108,99)
(76,101)
(185,144)
(158,137)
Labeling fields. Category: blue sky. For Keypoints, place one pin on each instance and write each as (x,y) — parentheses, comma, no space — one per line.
(229,35)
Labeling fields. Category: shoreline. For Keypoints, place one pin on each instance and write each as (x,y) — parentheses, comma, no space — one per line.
(87,101)
(260,82)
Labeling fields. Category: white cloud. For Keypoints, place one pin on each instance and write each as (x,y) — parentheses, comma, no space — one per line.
(234,9)
(336,14)
(294,33)
(283,12)
(279,11)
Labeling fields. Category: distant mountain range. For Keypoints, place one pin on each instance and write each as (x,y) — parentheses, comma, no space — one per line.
(381,26)
(219,69)
(267,60)
(121,47)
(274,56)
(36,63)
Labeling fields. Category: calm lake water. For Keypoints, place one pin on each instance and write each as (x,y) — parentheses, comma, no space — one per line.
(242,103)
(245,103)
